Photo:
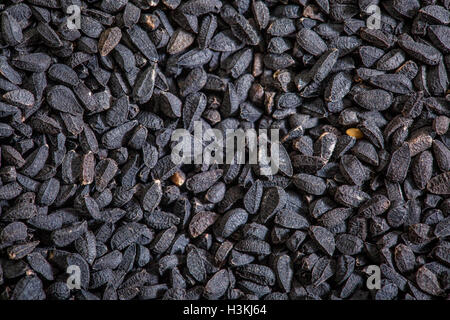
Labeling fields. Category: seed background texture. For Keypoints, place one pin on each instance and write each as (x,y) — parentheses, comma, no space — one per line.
(87,180)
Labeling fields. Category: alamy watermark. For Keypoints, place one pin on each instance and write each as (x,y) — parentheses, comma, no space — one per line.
(374,20)
(74,20)
(374,280)
(230,147)
(74,279)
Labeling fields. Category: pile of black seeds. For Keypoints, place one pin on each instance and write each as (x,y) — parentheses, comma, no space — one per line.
(86,177)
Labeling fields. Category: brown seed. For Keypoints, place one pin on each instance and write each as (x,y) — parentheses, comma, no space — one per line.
(179,41)
(109,40)
(440,184)
(87,168)
(178,178)
(201,221)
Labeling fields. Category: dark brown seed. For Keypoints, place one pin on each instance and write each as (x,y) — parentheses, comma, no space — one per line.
(206,32)
(179,41)
(113,138)
(419,141)
(404,258)
(108,261)
(284,272)
(428,282)
(377,37)
(87,168)
(372,132)
(441,125)
(20,211)
(194,105)
(63,99)
(281,27)
(237,63)
(397,215)
(194,58)
(216,193)
(200,222)
(435,14)
(366,152)
(131,15)
(109,40)
(422,169)
(225,41)
(391,60)
(86,165)
(439,184)
(145,83)
(369,55)
(439,36)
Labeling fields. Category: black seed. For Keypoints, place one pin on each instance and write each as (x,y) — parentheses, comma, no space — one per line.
(323,238)
(65,236)
(310,184)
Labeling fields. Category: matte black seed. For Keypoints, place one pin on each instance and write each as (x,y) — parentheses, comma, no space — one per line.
(399,164)
(310,184)
(356,116)
(323,238)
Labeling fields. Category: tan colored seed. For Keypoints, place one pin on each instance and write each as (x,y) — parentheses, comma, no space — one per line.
(355,133)
(151,22)
(178,178)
